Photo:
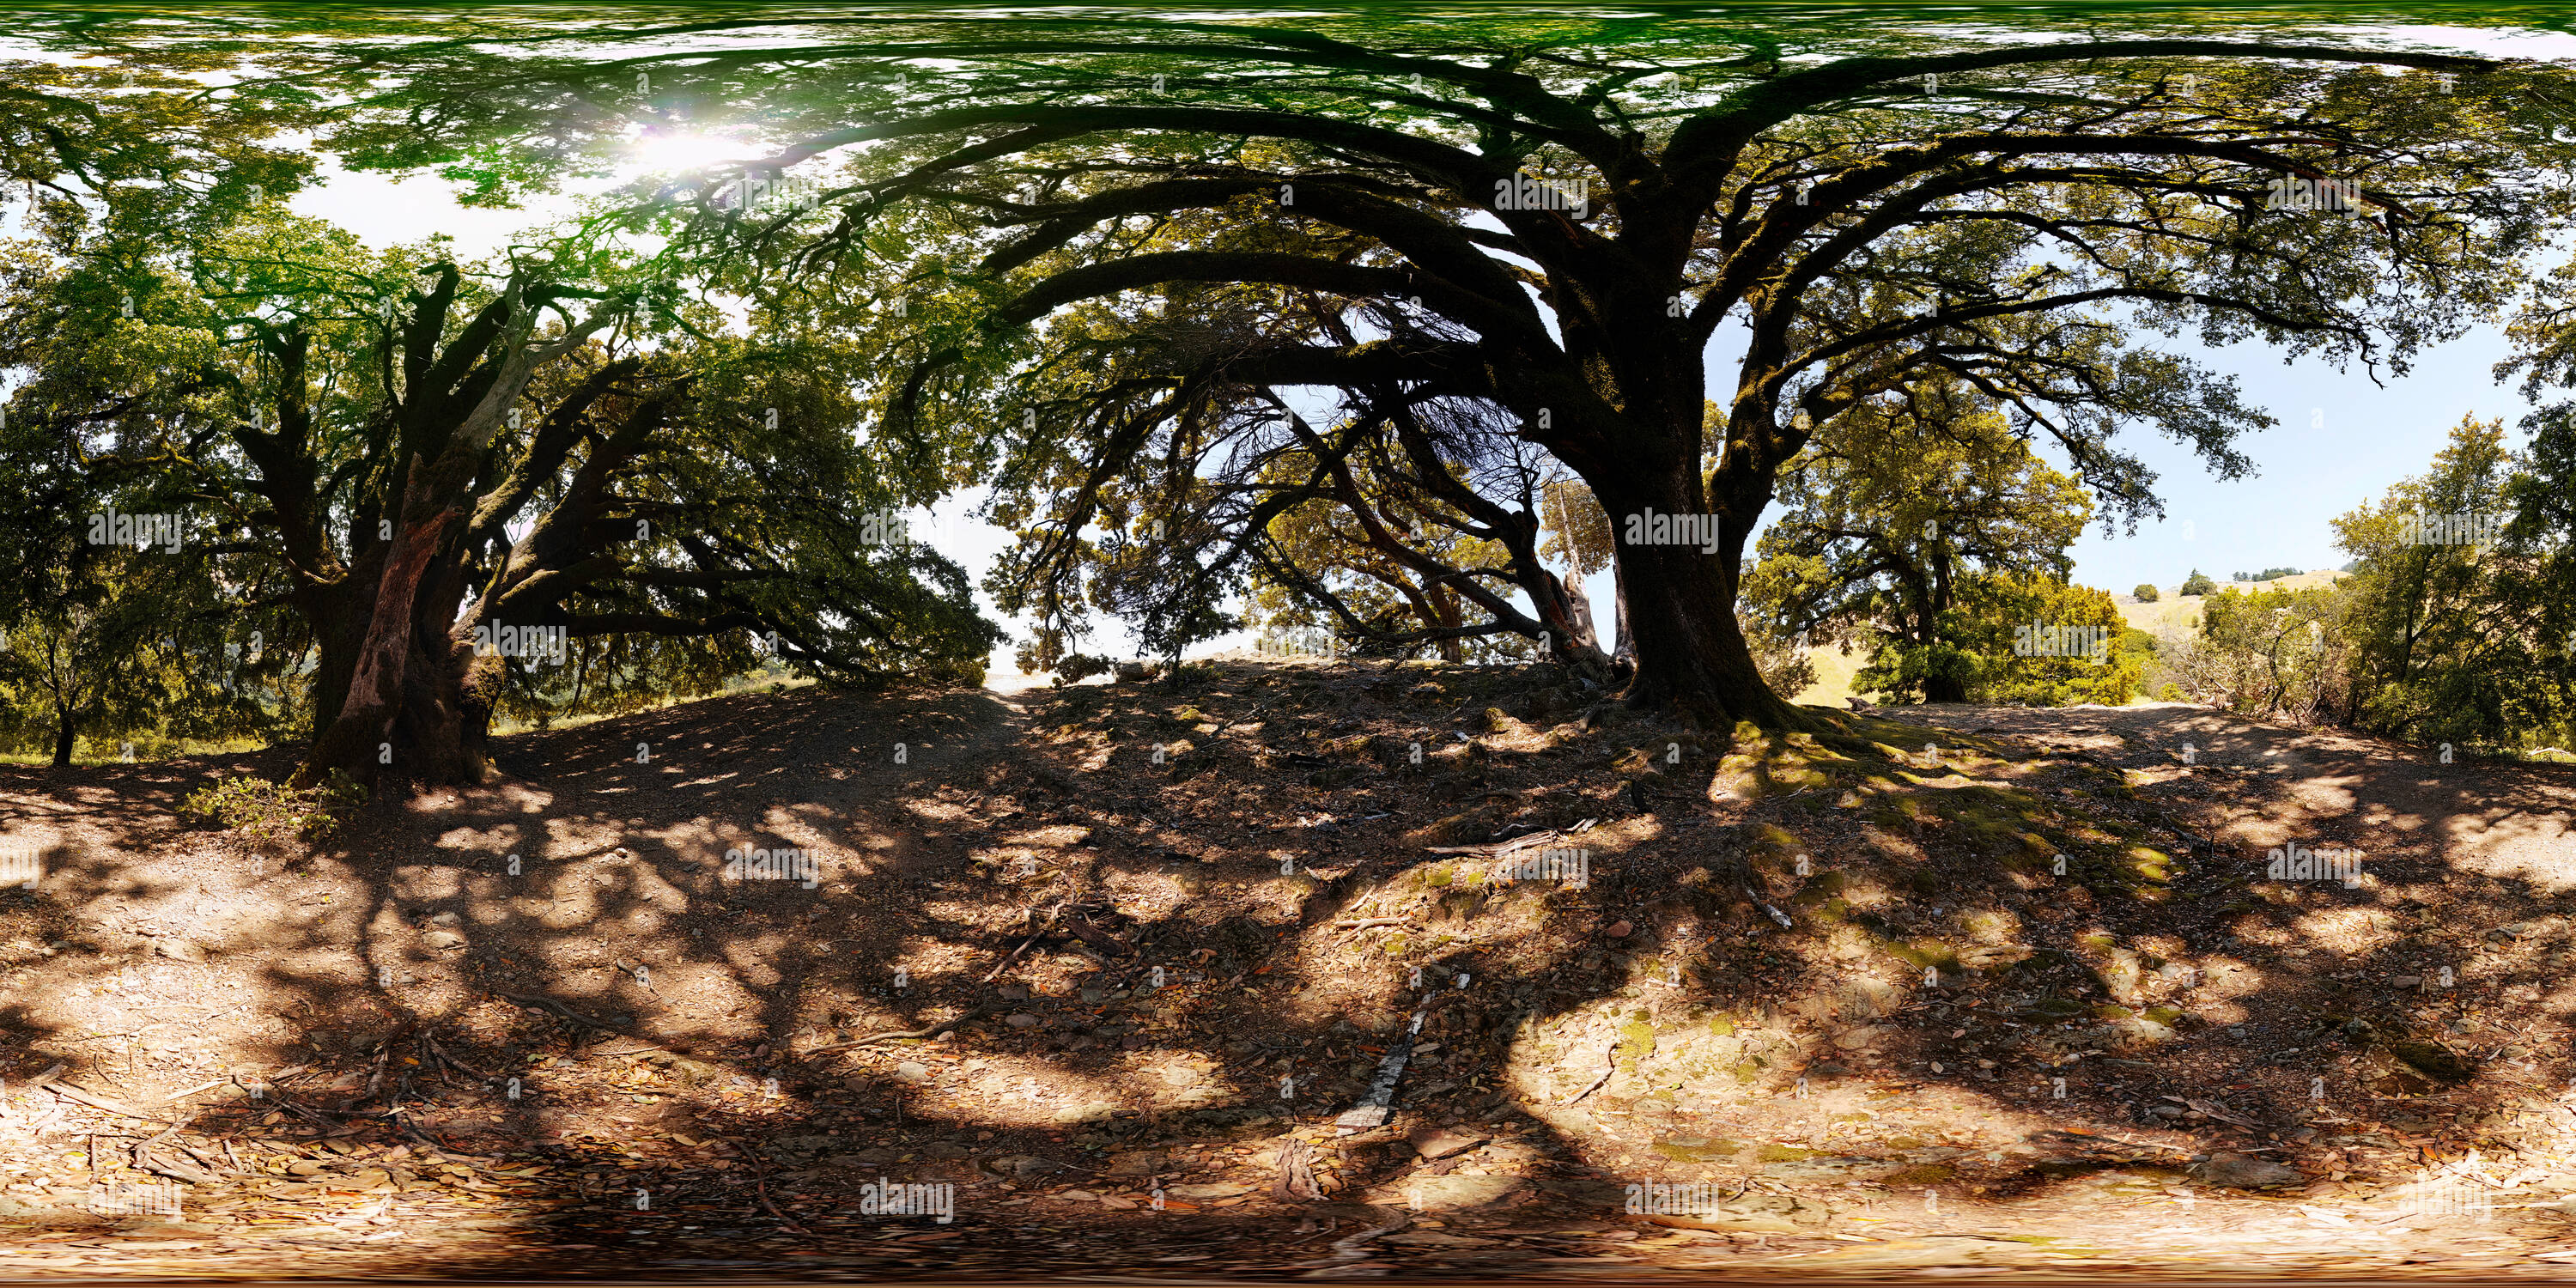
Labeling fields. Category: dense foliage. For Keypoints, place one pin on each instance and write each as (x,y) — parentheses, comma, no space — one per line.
(1387,326)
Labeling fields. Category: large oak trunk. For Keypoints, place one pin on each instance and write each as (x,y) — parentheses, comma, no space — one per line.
(430,722)
(1680,607)
(1690,655)
(417,705)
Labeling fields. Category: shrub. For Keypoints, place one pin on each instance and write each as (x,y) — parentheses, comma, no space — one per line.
(2198,584)
(273,812)
(1186,675)
(2146,594)
(1078,667)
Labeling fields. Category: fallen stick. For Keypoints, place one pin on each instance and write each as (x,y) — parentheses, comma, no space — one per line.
(459,1065)
(69,1091)
(1352,1247)
(1038,934)
(786,1222)
(415,1133)
(1497,849)
(559,1008)
(177,1096)
(143,1158)
(1372,1109)
(1365,923)
(168,1132)
(980,1008)
(629,1055)
(1776,914)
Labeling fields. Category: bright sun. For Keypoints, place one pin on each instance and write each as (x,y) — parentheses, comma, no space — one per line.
(678,152)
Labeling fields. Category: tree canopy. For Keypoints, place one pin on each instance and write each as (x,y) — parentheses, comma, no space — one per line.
(1313,307)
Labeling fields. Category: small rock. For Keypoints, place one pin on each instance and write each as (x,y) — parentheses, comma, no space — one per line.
(1014,992)
(443,939)
(2245,1172)
(912,1072)
(1437,1143)
(1826,1171)
(1217,1190)
(2406,981)
(1730,1222)
(1021,1020)
(443,919)
(1697,1149)
(179,950)
(1856,1038)
(2433,1058)
(1619,929)
(1451,1193)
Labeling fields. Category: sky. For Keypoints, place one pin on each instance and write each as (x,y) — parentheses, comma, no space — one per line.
(2341,439)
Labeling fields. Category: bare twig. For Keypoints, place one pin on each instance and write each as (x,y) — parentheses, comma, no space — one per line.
(785,1221)
(144,1158)
(558,1008)
(1038,934)
(1499,848)
(980,1008)
(168,1132)
(177,1096)
(459,1065)
(68,1091)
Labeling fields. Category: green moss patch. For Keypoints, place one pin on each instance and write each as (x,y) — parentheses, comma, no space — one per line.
(1684,1149)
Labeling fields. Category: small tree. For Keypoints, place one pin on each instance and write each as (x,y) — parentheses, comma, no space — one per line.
(1893,510)
(1998,643)
(2145,593)
(2459,640)
(2275,653)
(2198,584)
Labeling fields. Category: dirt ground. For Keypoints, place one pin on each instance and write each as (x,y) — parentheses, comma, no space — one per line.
(1300,970)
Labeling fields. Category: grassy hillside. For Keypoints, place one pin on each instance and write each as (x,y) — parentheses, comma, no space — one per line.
(1834,670)
(2186,608)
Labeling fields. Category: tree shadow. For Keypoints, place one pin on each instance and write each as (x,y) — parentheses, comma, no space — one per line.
(1649,1006)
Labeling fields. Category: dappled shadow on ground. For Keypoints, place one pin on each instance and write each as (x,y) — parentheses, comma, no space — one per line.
(1156,938)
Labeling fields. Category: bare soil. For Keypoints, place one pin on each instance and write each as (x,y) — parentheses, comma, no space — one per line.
(1108,968)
